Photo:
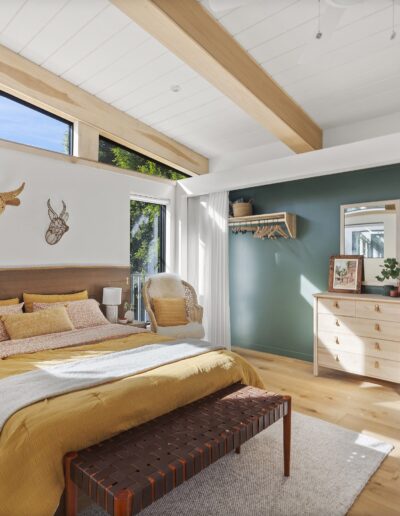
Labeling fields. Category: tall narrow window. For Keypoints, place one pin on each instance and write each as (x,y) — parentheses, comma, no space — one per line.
(21,122)
(119,156)
(147,248)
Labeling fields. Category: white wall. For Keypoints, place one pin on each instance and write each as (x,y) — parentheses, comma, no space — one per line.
(97,201)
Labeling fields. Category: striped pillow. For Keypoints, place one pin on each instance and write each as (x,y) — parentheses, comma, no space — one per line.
(170,311)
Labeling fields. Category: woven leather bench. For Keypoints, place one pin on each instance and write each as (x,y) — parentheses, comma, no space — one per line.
(130,471)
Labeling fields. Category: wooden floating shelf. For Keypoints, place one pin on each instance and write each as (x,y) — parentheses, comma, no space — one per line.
(266,225)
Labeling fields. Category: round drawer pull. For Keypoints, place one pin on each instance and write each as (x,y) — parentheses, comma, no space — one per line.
(337,322)
(377,346)
(337,340)
(376,364)
(377,308)
(377,327)
(336,304)
(337,358)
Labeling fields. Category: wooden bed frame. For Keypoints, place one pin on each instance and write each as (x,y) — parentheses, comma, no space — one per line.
(60,280)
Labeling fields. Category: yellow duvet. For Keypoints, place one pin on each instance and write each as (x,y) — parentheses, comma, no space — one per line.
(34,441)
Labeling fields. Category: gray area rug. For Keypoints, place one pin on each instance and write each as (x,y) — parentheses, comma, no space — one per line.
(330,467)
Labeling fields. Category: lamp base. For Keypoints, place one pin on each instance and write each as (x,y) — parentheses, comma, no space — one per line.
(112,313)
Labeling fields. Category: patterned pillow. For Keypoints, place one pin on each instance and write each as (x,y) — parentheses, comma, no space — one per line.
(10,309)
(83,314)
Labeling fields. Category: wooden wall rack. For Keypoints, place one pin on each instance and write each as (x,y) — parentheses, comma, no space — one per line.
(266,225)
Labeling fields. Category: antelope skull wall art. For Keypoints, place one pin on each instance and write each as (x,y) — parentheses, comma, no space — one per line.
(58,224)
(10,198)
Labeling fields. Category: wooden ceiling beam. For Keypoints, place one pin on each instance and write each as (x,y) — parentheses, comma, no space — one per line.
(191,33)
(36,85)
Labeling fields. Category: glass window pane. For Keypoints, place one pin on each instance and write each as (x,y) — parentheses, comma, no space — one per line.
(23,123)
(147,248)
(119,156)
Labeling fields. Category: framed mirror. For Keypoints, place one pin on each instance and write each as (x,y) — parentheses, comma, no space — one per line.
(370,229)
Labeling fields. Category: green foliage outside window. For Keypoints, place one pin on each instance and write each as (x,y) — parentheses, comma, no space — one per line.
(145,238)
(145,249)
(122,157)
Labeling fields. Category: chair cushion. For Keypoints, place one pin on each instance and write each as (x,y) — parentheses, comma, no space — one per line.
(192,330)
(170,311)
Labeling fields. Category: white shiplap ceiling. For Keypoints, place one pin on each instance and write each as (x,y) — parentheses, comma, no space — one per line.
(356,72)
(95,46)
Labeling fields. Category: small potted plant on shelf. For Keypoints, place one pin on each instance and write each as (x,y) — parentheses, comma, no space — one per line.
(129,314)
(390,271)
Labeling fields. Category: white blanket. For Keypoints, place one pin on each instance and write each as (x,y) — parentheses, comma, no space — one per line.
(22,390)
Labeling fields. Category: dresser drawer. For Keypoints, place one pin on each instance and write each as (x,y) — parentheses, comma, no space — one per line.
(373,328)
(358,364)
(378,310)
(378,348)
(337,306)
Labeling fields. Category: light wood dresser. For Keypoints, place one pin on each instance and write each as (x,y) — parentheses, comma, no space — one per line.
(358,333)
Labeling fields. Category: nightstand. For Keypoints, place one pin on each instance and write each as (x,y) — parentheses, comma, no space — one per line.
(137,324)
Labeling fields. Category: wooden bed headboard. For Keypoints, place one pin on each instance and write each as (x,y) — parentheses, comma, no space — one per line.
(60,280)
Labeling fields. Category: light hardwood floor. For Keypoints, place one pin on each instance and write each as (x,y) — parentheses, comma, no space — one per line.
(364,405)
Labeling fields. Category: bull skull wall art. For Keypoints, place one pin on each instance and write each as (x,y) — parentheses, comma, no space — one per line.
(10,198)
(58,224)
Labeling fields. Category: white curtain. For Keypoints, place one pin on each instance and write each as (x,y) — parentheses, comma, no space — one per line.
(208,262)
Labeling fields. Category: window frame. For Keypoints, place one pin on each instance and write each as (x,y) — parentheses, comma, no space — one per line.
(162,225)
(50,115)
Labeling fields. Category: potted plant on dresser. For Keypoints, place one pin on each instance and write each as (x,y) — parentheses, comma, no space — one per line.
(390,271)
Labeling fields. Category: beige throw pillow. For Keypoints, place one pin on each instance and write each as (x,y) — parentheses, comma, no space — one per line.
(29,299)
(4,310)
(23,326)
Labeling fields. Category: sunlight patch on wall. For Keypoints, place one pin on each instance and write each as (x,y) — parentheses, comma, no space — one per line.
(307,290)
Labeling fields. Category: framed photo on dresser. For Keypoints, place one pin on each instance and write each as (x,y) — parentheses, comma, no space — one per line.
(345,273)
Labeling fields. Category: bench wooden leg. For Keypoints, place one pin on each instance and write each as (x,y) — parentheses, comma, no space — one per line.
(71,490)
(287,423)
(123,503)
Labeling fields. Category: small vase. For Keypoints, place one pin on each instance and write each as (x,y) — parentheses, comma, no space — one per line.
(130,315)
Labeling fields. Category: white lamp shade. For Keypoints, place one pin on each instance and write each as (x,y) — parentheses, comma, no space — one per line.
(112,296)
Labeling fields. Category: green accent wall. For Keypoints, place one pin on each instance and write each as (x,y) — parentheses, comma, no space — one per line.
(272,281)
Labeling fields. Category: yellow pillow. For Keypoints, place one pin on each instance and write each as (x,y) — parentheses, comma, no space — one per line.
(170,311)
(52,320)
(29,299)
(8,302)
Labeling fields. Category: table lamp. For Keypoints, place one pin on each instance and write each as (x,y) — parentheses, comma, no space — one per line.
(112,297)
